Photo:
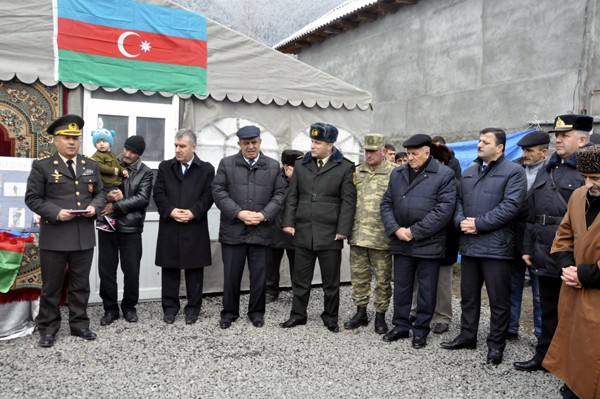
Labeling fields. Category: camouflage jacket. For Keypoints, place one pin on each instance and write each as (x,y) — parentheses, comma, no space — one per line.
(368,230)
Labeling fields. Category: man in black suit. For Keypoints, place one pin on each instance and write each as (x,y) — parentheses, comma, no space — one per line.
(183,197)
(65,189)
(319,213)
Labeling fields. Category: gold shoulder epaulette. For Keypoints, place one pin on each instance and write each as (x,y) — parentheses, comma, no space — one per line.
(90,158)
(44,157)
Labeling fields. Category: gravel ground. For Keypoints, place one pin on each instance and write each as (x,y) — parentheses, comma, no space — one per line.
(151,359)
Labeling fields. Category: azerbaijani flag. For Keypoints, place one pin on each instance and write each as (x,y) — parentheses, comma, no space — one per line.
(11,255)
(130,44)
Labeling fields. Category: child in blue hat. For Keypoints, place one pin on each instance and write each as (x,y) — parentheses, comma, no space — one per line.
(111,170)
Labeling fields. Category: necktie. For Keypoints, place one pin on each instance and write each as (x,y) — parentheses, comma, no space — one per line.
(70,166)
(320,163)
(484,168)
(251,162)
(185,168)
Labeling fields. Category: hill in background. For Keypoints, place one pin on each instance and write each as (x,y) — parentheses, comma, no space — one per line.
(267,21)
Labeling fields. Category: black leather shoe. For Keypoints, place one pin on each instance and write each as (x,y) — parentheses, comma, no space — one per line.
(440,328)
(225,324)
(131,316)
(494,356)
(270,298)
(419,342)
(108,318)
(458,343)
(258,323)
(191,319)
(511,336)
(332,326)
(169,318)
(289,323)
(395,335)
(84,333)
(46,341)
(529,365)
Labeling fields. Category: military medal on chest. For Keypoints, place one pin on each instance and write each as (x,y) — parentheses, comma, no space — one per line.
(89,172)
(56,176)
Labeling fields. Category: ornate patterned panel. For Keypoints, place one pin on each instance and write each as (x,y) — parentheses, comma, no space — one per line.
(26,110)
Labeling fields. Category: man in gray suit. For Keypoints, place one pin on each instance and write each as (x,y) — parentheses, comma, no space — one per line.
(65,189)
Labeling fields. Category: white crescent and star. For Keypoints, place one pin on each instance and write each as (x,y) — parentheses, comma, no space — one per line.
(145,46)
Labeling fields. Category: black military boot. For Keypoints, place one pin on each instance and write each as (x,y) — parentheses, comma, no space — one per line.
(359,319)
(380,325)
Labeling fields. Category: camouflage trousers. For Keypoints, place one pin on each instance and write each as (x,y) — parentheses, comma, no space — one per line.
(364,263)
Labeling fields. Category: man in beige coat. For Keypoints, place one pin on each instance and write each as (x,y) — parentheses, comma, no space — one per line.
(574,352)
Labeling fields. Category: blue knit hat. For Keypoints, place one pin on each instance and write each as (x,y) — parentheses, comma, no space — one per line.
(104,134)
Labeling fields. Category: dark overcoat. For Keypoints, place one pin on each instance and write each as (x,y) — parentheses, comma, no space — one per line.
(183,245)
(426,206)
(493,197)
(258,188)
(546,211)
(51,188)
(321,203)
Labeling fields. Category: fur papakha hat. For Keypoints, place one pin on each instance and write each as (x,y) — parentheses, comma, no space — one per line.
(588,160)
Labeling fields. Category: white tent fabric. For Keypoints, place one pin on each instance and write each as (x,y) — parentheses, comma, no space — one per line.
(268,76)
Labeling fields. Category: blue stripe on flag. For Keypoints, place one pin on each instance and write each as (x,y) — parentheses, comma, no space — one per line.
(128,14)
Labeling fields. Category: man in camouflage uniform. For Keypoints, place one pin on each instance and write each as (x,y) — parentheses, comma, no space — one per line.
(369,244)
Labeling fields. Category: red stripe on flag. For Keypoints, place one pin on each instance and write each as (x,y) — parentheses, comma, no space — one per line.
(103,40)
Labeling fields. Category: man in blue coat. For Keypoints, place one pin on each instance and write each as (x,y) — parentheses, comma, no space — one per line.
(415,210)
(492,189)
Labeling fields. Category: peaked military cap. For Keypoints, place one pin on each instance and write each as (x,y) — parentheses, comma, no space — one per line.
(564,123)
(248,132)
(323,132)
(374,141)
(539,137)
(417,141)
(68,125)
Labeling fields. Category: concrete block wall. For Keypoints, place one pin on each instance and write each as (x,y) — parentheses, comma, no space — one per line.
(453,67)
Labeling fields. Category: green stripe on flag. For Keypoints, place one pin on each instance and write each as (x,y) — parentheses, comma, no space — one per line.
(130,74)
(10,262)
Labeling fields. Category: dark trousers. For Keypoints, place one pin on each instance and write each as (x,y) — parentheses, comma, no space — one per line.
(171,280)
(427,272)
(549,293)
(330,262)
(234,259)
(127,247)
(54,264)
(516,298)
(274,256)
(496,273)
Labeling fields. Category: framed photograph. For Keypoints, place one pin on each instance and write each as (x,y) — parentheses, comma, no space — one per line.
(14,214)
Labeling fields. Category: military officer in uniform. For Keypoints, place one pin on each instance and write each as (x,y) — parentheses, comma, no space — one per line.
(319,213)
(369,244)
(65,189)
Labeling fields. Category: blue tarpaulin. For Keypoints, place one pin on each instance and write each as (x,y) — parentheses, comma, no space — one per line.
(466,151)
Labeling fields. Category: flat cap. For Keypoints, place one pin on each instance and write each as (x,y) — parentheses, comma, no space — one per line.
(68,125)
(539,137)
(323,132)
(374,141)
(417,141)
(248,132)
(588,159)
(564,123)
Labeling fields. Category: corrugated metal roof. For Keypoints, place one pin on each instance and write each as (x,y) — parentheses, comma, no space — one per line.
(338,12)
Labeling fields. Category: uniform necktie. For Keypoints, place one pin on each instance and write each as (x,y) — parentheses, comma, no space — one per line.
(70,167)
(320,163)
